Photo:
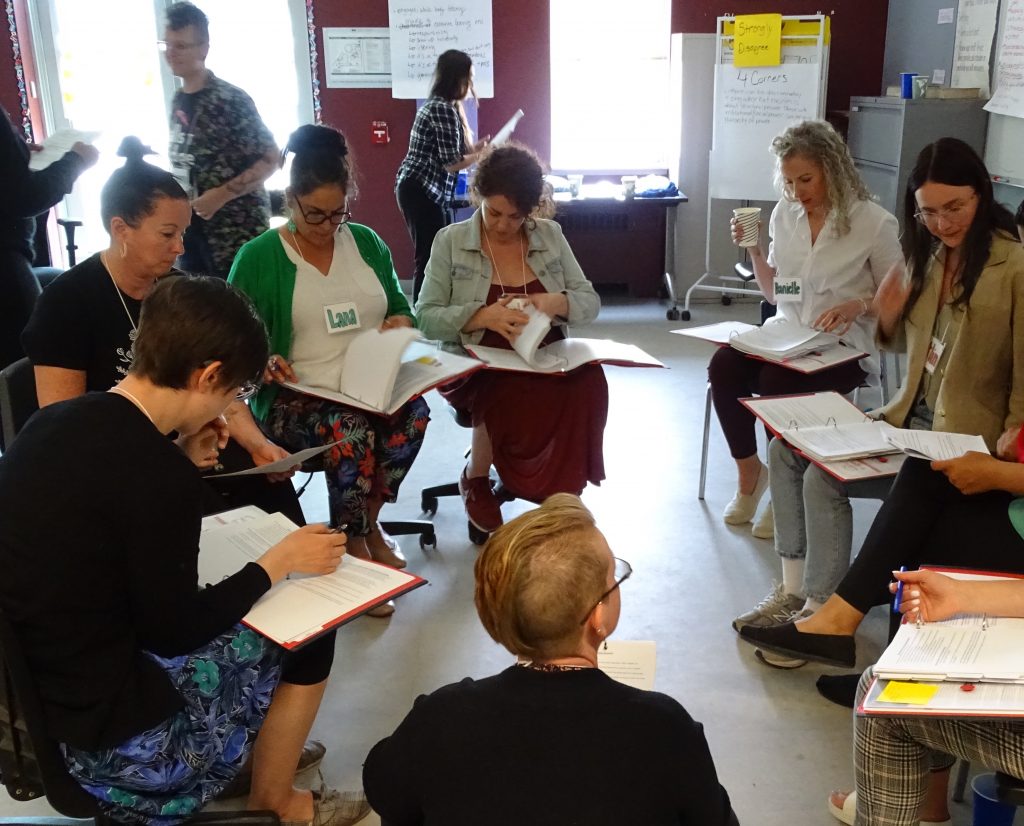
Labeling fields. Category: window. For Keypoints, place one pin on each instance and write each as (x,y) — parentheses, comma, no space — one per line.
(610,85)
(110,77)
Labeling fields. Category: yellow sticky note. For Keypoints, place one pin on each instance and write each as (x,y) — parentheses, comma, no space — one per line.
(914,694)
(758,40)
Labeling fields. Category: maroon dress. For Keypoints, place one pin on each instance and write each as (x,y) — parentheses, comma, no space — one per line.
(546,431)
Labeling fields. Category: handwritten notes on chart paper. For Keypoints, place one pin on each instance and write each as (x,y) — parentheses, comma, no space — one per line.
(750,105)
(1009,83)
(975,30)
(421,31)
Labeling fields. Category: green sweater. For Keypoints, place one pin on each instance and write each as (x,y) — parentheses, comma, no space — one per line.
(264,272)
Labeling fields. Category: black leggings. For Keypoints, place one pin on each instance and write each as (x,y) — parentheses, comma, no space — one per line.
(925,520)
(423,218)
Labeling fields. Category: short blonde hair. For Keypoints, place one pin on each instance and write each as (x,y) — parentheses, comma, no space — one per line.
(537,577)
(817,141)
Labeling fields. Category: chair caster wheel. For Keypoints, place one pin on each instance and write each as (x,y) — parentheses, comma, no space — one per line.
(685,315)
(428,504)
(428,539)
(672,315)
(726,300)
(477,536)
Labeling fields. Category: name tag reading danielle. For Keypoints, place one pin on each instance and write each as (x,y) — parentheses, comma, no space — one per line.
(788,289)
(341,318)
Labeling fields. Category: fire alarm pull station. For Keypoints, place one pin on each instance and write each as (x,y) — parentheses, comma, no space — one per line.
(380,132)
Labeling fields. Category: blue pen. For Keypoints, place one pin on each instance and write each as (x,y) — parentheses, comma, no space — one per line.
(899,593)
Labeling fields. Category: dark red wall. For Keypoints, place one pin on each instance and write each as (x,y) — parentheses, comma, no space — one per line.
(522,80)
(9,97)
(858,37)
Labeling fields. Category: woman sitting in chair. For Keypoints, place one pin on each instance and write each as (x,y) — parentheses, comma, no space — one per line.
(543,435)
(80,337)
(155,691)
(529,744)
(317,262)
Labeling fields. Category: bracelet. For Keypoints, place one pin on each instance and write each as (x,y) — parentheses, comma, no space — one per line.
(866,307)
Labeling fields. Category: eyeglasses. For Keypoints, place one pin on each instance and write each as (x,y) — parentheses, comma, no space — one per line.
(953,214)
(174,46)
(316,217)
(247,391)
(623,571)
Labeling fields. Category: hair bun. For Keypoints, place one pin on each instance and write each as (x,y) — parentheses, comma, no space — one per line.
(133,150)
(317,138)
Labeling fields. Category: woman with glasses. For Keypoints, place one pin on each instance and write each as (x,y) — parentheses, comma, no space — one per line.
(80,337)
(318,267)
(440,145)
(959,317)
(532,743)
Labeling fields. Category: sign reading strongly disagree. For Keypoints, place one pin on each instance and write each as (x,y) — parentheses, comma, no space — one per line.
(758,40)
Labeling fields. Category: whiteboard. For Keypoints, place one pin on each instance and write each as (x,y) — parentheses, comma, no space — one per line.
(754,105)
(1003,155)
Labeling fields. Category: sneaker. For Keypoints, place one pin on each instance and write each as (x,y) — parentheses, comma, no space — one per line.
(776,608)
(764,527)
(334,808)
(744,505)
(482,507)
(312,755)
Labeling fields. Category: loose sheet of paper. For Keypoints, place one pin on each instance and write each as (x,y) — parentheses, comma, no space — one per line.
(720,333)
(59,143)
(245,514)
(631,662)
(933,444)
(292,460)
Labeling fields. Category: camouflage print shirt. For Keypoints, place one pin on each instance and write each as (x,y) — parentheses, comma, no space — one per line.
(216,134)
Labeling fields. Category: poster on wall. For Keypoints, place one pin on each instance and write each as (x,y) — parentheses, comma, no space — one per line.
(421,31)
(1009,82)
(972,50)
(357,58)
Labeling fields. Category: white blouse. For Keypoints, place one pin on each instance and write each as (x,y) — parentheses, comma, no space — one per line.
(318,349)
(834,270)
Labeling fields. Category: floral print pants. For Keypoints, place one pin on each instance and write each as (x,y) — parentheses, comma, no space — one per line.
(373,457)
(166,774)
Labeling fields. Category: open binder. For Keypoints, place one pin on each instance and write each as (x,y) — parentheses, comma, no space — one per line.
(385,369)
(563,356)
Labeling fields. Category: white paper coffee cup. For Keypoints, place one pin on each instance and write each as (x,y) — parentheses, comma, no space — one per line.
(748,218)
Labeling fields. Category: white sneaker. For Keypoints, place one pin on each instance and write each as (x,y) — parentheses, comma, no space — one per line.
(744,505)
(764,527)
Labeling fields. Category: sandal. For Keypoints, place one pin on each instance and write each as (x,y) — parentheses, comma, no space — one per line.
(848,812)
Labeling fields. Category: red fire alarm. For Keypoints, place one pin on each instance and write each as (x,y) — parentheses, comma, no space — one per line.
(380,133)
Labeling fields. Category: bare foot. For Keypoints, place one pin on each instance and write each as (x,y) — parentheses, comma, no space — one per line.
(384,552)
(298,808)
(750,470)
(358,548)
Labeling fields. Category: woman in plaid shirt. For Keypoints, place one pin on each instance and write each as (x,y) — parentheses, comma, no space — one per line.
(441,143)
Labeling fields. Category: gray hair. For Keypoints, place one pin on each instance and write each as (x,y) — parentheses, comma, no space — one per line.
(817,141)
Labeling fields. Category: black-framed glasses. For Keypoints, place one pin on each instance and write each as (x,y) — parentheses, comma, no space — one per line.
(315,217)
(623,571)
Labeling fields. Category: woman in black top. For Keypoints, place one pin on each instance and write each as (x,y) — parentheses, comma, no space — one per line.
(80,335)
(149,683)
(531,744)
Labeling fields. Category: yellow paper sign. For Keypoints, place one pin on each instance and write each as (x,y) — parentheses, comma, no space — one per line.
(758,40)
(914,694)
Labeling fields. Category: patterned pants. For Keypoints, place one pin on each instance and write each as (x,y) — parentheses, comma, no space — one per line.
(893,756)
(371,461)
(166,774)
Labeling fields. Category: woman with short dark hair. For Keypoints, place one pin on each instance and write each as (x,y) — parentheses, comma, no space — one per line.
(543,434)
(441,144)
(530,745)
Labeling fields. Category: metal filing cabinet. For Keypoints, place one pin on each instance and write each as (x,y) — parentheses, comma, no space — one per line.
(886,134)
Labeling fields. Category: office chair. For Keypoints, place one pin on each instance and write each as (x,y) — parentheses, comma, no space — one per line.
(17,399)
(31,764)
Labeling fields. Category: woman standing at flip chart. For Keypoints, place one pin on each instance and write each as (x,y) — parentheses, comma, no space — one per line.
(440,145)
(830,247)
(315,268)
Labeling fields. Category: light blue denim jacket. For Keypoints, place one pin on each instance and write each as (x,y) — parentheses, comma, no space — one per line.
(458,278)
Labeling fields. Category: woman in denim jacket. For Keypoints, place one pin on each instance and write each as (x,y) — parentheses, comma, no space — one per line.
(481,275)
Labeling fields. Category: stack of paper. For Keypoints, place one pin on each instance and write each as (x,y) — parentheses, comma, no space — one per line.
(934,445)
(782,340)
(838,443)
(564,356)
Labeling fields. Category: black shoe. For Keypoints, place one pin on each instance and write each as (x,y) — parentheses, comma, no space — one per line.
(312,755)
(840,689)
(830,649)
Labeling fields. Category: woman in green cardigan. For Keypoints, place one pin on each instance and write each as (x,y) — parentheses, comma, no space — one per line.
(318,281)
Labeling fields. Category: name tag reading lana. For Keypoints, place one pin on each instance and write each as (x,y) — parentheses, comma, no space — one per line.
(788,289)
(341,318)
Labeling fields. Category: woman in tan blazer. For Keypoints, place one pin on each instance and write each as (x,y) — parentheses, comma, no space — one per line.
(959,315)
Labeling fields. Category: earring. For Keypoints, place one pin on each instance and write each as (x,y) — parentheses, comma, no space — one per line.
(600,631)
(124,249)
(291,226)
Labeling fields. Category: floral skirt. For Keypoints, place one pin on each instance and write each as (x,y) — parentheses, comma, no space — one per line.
(166,774)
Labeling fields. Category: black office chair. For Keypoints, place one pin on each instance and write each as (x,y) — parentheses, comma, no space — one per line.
(17,399)
(31,765)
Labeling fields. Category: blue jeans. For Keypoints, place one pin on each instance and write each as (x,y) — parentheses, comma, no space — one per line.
(813,517)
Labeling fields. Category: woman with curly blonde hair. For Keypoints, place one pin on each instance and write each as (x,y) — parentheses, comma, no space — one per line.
(543,434)
(830,247)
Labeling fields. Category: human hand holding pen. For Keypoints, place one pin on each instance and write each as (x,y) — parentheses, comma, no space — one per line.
(928,596)
(278,370)
(313,549)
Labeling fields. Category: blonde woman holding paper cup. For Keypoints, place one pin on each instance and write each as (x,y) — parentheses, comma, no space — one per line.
(830,246)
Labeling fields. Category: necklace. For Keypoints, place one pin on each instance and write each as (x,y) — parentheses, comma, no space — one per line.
(552,667)
(298,249)
(122,392)
(135,330)
(494,263)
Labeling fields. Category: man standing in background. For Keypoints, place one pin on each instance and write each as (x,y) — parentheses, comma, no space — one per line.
(220,150)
